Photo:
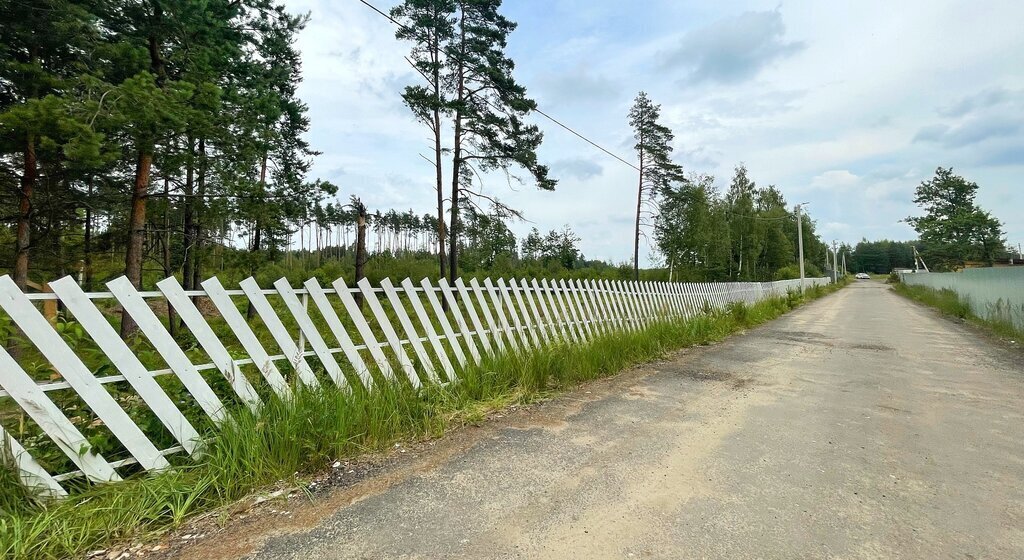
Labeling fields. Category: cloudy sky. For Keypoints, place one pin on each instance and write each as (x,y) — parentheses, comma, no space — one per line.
(846,105)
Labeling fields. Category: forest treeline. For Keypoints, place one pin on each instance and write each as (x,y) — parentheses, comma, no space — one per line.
(165,137)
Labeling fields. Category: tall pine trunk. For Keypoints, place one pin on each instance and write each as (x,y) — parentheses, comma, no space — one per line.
(636,231)
(23,236)
(172,322)
(87,241)
(197,224)
(360,251)
(453,242)
(136,232)
(188,211)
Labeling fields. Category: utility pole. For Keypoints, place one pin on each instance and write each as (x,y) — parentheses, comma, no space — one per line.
(800,240)
(835,262)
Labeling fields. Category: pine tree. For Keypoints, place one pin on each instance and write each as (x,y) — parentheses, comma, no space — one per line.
(488,110)
(656,169)
(430,25)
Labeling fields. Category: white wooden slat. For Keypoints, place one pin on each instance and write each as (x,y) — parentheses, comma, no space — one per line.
(628,305)
(589,305)
(588,297)
(643,314)
(446,325)
(52,422)
(363,328)
(428,328)
(467,301)
(485,309)
(519,325)
(689,294)
(240,327)
(557,316)
(647,293)
(74,372)
(499,310)
(665,292)
(690,307)
(370,297)
(31,473)
(460,319)
(530,295)
(568,309)
(604,317)
(517,309)
(576,310)
(661,289)
(646,301)
(608,300)
(310,332)
(551,321)
(410,330)
(164,343)
(337,328)
(678,299)
(278,331)
(208,340)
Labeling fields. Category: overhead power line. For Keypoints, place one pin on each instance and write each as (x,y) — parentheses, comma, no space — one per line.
(537,110)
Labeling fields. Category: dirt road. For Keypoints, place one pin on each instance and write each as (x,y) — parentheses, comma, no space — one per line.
(860,426)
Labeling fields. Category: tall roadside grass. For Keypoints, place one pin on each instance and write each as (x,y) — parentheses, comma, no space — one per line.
(950,303)
(288,440)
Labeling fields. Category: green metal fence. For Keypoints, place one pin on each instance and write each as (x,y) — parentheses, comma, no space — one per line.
(992,293)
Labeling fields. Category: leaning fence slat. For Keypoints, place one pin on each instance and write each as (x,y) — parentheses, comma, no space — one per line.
(278,331)
(370,297)
(460,319)
(531,296)
(446,325)
(576,309)
(410,330)
(52,421)
(647,303)
(240,327)
(311,332)
(607,319)
(607,294)
(558,316)
(31,473)
(572,325)
(363,327)
(571,321)
(499,311)
(212,345)
(481,332)
(587,296)
(428,328)
(125,359)
(544,316)
(183,368)
(334,324)
(485,309)
(629,303)
(520,317)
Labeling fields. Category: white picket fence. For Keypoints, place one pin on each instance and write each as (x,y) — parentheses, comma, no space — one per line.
(347,347)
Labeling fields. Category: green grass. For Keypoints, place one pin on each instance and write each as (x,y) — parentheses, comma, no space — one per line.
(950,303)
(289,440)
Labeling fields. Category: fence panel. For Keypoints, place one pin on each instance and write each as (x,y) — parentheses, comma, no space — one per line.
(503,316)
(992,293)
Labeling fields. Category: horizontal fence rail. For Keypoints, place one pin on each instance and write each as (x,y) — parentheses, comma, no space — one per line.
(992,293)
(99,408)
